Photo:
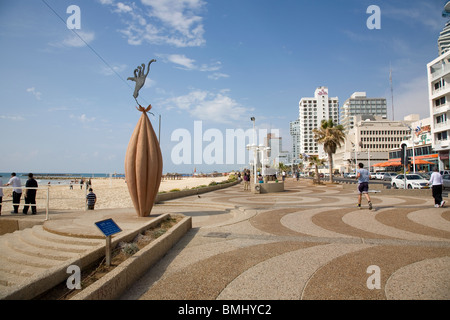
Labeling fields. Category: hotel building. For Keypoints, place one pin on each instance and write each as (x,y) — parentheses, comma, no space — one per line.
(311,113)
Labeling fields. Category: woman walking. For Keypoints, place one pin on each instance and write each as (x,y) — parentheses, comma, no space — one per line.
(436,182)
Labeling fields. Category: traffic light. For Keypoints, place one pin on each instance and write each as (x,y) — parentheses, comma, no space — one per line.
(404,155)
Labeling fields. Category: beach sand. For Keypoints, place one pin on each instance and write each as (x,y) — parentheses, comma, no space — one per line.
(111,194)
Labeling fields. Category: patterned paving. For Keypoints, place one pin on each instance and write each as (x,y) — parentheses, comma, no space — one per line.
(309,242)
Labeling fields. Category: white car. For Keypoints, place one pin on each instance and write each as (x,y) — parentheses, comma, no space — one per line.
(413,181)
(379,175)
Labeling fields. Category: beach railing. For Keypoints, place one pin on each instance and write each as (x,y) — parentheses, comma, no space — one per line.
(29,204)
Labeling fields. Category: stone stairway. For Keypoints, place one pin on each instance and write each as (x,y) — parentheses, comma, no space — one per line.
(34,260)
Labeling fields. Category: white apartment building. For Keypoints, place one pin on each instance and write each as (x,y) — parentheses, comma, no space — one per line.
(439,103)
(359,104)
(311,113)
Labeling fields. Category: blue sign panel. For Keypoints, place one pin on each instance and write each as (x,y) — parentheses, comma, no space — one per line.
(108,227)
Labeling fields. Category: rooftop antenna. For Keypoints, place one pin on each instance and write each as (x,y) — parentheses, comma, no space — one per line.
(392,90)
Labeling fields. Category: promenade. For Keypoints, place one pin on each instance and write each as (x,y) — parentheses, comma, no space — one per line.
(309,242)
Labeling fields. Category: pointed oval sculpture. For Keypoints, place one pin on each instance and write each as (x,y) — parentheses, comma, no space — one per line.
(143,166)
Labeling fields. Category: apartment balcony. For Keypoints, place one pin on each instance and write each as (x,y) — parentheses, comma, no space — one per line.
(440,91)
(443,108)
(440,145)
(442,71)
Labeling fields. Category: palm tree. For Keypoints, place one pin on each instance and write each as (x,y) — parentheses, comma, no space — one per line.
(316,162)
(331,136)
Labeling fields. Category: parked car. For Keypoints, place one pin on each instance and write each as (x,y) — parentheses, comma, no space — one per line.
(413,181)
(388,176)
(446,179)
(379,175)
(351,175)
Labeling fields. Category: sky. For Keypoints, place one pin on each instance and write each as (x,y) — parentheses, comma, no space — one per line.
(66,105)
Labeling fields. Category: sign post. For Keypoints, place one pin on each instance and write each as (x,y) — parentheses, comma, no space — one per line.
(108,227)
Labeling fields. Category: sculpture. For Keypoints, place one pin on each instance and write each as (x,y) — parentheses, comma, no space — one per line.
(139,77)
(143,160)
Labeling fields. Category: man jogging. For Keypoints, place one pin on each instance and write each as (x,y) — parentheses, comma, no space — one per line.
(363,176)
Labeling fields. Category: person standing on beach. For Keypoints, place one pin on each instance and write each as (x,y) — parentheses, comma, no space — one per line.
(30,194)
(436,182)
(363,176)
(17,191)
(1,194)
(91,199)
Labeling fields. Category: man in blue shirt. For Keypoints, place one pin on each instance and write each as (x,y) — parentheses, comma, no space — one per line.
(91,199)
(363,176)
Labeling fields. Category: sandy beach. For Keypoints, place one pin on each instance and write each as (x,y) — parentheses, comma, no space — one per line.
(111,193)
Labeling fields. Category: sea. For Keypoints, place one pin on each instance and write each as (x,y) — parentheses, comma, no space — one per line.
(62,178)
(57,178)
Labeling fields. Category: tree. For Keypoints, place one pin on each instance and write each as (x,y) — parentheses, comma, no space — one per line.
(331,136)
(316,162)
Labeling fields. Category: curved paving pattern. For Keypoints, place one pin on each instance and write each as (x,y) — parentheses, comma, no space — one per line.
(308,243)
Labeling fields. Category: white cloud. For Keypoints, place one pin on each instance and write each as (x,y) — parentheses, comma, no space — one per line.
(218,75)
(117,68)
(182,60)
(74,41)
(121,7)
(215,107)
(12,118)
(189,64)
(36,94)
(83,118)
(174,22)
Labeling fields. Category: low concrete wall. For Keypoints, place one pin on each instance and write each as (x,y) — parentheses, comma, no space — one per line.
(112,285)
(271,187)
(161,197)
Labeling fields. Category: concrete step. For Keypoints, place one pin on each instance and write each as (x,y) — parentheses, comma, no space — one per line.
(10,259)
(29,238)
(8,279)
(40,233)
(19,246)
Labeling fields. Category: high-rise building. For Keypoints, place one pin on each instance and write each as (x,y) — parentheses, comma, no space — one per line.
(438,72)
(444,37)
(439,104)
(311,113)
(359,104)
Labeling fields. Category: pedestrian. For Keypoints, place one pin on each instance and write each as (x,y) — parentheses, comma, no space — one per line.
(17,191)
(91,199)
(1,194)
(363,176)
(81,184)
(246,180)
(436,182)
(30,195)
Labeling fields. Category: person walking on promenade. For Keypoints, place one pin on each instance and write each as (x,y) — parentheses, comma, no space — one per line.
(436,182)
(246,180)
(17,191)
(30,194)
(91,199)
(363,176)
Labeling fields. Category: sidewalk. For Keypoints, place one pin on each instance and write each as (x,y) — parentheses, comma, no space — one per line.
(309,242)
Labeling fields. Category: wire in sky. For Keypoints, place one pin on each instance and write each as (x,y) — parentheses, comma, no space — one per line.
(92,49)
